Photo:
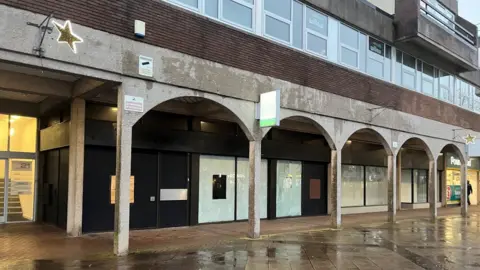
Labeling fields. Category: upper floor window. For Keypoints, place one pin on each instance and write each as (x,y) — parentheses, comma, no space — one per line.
(429,76)
(464,94)
(349,46)
(405,70)
(378,59)
(236,12)
(446,86)
(316,32)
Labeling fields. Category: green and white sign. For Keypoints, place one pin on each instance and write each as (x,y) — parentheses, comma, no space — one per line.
(270,109)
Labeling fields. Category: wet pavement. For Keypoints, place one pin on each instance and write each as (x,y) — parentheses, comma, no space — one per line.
(451,242)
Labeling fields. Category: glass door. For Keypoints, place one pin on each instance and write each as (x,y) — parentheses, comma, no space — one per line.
(3,174)
(21,192)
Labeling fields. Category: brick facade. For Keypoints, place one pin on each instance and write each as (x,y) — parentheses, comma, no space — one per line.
(172,28)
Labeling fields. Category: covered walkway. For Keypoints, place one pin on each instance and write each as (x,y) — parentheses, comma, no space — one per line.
(29,242)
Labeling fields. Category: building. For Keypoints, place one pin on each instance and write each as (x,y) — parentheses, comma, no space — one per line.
(105,126)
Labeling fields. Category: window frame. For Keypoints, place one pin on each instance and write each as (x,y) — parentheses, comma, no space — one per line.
(270,14)
(240,2)
(348,47)
(307,31)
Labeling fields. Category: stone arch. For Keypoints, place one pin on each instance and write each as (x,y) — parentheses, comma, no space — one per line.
(456,148)
(323,124)
(155,94)
(382,135)
(404,138)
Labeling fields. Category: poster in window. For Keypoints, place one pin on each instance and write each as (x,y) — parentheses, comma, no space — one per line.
(113,189)
(376,46)
(315,189)
(219,187)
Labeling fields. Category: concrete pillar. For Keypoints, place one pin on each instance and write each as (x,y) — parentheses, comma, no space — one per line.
(75,168)
(433,188)
(336,190)
(463,182)
(255,163)
(444,183)
(122,190)
(392,188)
(399,179)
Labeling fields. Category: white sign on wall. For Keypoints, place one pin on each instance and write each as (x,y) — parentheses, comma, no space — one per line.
(270,109)
(133,104)
(145,66)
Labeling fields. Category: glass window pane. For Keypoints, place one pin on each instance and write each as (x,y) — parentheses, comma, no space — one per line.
(376,185)
(376,46)
(190,3)
(211,8)
(243,173)
(215,210)
(3,132)
(427,87)
(375,68)
(408,63)
(408,80)
(420,182)
(406,188)
(352,185)
(23,134)
(289,188)
(348,36)
(21,190)
(297,25)
(277,29)
(317,22)
(237,13)
(349,57)
(316,44)
(282,8)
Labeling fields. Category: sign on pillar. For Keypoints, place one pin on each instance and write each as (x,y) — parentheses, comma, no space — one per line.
(133,104)
(269,109)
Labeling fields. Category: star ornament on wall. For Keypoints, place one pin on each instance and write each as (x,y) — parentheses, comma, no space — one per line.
(469,139)
(67,35)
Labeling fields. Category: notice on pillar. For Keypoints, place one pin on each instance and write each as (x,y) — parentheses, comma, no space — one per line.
(113,184)
(133,104)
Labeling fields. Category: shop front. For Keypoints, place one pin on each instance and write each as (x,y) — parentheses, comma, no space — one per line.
(18,172)
(454,188)
(188,170)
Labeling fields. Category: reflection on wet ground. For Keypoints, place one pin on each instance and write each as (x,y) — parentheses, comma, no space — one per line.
(449,243)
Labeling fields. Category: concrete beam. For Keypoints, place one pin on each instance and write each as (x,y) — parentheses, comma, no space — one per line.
(50,103)
(13,81)
(88,88)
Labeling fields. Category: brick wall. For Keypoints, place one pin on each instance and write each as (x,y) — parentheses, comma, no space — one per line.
(182,31)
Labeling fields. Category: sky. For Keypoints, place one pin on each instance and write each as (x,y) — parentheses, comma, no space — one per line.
(470,10)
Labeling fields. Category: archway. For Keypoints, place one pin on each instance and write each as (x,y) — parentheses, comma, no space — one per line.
(417,175)
(298,152)
(458,173)
(366,171)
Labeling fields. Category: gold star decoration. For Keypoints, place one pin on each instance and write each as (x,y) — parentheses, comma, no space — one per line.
(469,139)
(67,36)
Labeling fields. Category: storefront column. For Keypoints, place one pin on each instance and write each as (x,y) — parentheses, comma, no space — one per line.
(122,184)
(75,168)
(392,188)
(398,179)
(463,197)
(444,182)
(433,188)
(255,163)
(336,190)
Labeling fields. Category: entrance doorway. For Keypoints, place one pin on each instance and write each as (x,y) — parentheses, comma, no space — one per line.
(18,144)
(314,189)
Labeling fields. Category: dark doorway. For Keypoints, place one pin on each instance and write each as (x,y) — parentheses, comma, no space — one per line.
(173,190)
(314,189)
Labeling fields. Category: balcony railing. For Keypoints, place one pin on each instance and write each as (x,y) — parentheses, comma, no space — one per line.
(447,21)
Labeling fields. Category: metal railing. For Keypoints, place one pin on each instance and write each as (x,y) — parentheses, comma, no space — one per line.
(432,11)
